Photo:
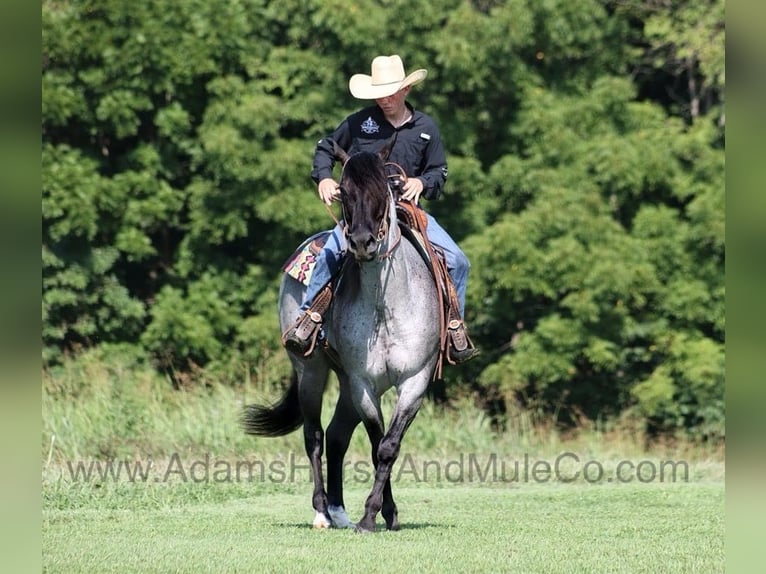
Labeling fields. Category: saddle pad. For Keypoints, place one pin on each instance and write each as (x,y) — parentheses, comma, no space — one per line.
(300,265)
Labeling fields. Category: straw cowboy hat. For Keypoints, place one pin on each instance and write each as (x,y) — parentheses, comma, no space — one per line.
(387,78)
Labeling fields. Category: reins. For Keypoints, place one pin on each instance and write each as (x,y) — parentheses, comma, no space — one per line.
(385,224)
(402,177)
(335,219)
(385,227)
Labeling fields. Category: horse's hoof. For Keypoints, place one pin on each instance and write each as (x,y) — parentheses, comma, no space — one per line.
(321,521)
(392,520)
(339,517)
(364,529)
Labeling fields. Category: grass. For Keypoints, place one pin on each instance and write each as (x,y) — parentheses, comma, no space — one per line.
(105,410)
(530,528)
(192,512)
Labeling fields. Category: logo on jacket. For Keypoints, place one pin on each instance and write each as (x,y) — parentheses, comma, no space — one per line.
(369,126)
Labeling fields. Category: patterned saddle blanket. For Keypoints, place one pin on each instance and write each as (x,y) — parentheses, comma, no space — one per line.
(300,265)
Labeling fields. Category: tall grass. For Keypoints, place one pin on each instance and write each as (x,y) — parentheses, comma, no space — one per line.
(119,408)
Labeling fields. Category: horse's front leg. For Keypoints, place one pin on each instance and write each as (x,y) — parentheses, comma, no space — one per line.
(367,405)
(381,497)
(344,421)
(388,508)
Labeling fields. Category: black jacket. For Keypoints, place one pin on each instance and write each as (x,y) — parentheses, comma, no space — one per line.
(418,146)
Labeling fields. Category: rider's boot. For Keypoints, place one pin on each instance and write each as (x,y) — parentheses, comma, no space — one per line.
(302,336)
(462,348)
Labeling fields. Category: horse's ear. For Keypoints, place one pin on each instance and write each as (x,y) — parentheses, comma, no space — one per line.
(340,153)
(385,151)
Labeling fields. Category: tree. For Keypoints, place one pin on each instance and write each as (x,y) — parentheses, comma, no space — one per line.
(585,185)
(685,41)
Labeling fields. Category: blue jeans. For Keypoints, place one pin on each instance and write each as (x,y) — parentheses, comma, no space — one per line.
(329,259)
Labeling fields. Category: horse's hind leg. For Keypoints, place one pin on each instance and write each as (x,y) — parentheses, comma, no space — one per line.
(313,438)
(342,426)
(311,388)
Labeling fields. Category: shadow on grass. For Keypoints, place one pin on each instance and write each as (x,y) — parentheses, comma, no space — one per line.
(381,527)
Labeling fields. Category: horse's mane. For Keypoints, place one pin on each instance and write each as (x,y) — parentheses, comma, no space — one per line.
(363,178)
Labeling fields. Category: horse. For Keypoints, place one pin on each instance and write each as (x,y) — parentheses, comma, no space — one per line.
(383,325)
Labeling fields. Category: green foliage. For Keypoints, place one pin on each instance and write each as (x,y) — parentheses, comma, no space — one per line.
(685,40)
(585,142)
(601,263)
(686,388)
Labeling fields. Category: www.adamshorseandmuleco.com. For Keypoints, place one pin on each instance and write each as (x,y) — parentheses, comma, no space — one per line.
(566,467)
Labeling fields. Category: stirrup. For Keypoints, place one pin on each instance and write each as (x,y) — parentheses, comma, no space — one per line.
(461,347)
(301,338)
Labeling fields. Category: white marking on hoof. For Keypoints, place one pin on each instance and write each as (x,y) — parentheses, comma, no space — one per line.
(321,521)
(339,517)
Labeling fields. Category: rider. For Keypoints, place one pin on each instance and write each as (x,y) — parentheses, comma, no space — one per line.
(418,150)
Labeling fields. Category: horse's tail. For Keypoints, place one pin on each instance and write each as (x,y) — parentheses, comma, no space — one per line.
(279,419)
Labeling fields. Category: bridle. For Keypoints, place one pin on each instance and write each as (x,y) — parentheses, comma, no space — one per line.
(384,226)
(399,176)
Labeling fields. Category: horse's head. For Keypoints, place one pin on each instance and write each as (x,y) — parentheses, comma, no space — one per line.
(366,201)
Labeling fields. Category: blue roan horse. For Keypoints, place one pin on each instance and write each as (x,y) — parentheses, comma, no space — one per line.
(384,325)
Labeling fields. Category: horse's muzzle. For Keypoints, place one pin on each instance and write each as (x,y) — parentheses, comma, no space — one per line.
(363,246)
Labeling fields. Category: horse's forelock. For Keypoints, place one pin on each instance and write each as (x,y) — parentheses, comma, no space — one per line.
(364,173)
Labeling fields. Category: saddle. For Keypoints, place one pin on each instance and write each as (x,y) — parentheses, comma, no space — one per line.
(413,224)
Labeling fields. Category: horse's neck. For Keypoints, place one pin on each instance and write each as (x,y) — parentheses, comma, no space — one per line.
(390,268)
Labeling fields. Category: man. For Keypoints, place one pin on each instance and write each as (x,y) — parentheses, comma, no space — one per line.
(418,150)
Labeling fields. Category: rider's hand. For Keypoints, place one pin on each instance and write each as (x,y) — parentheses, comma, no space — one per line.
(412,189)
(329,190)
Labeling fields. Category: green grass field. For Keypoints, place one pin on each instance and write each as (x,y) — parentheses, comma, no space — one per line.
(193,511)
(458,528)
